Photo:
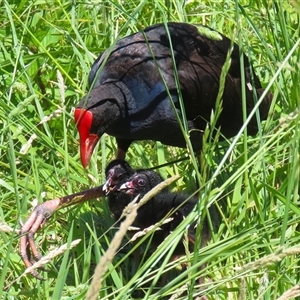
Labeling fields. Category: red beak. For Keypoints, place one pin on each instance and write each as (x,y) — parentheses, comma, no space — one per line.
(88,141)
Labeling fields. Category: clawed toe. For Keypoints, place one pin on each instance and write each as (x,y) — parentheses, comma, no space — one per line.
(28,250)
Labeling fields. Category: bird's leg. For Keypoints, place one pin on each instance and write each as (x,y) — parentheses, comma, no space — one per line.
(39,217)
(120,154)
(123,145)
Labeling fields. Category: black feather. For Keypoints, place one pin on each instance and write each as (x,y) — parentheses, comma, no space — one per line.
(129,98)
(175,205)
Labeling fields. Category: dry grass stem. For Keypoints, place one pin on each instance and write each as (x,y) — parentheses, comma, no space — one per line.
(62,87)
(5,228)
(56,114)
(291,293)
(130,212)
(146,230)
(269,259)
(179,292)
(28,144)
(45,259)
(108,256)
(52,254)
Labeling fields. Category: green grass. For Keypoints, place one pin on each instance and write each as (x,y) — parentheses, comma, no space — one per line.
(45,45)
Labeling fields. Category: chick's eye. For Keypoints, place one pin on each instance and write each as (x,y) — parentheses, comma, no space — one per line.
(141,182)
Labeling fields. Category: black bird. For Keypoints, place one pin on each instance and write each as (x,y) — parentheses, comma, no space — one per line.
(166,203)
(133,86)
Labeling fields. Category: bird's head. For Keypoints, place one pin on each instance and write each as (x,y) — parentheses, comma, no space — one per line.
(93,116)
(116,172)
(140,183)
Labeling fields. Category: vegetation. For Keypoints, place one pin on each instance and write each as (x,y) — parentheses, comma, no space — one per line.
(46,51)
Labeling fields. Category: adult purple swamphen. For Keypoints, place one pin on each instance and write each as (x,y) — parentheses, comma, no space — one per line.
(134,82)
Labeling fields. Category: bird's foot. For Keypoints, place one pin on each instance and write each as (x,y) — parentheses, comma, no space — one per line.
(37,219)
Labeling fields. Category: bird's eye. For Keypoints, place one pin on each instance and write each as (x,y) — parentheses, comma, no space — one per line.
(141,182)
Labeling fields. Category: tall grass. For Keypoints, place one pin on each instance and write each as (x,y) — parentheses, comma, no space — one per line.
(46,51)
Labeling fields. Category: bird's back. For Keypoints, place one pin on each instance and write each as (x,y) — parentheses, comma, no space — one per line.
(181,61)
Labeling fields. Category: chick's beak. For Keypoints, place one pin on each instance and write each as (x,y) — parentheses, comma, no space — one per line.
(107,187)
(127,188)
